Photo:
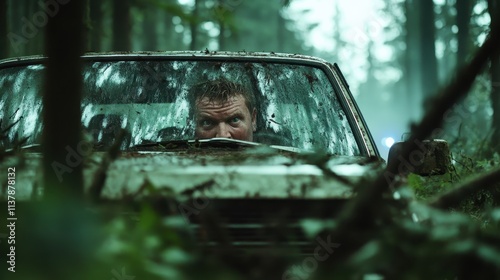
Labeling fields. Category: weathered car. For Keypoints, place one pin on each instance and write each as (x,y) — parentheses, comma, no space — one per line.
(311,144)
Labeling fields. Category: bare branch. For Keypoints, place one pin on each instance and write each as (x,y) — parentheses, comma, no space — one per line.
(466,189)
(366,208)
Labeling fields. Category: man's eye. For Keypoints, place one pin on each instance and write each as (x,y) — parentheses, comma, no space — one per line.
(205,123)
(235,120)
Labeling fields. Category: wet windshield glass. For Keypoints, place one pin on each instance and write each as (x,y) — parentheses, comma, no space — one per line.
(296,105)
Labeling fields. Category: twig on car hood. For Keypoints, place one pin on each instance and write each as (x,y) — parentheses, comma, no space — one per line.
(100,176)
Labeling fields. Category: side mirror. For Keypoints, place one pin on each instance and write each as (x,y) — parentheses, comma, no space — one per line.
(432,157)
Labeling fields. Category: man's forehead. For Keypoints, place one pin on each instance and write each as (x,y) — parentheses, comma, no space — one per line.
(213,102)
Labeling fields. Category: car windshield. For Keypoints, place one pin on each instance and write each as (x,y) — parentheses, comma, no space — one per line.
(296,105)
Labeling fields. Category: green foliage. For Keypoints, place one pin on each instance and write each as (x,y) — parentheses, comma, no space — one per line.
(149,239)
(427,188)
(67,240)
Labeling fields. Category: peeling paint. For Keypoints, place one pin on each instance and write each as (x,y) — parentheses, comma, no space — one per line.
(235,174)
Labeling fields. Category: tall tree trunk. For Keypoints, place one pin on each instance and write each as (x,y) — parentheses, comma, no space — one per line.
(428,48)
(220,14)
(62,148)
(4,45)
(194,25)
(280,37)
(412,69)
(61,101)
(18,44)
(165,32)
(337,36)
(150,41)
(95,25)
(221,38)
(37,18)
(28,18)
(121,25)
(464,10)
(494,10)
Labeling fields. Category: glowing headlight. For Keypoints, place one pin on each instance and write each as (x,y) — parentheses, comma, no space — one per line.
(388,141)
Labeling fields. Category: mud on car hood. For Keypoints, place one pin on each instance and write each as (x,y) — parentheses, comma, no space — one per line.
(216,172)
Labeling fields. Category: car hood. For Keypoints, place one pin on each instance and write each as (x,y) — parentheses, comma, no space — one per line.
(261,172)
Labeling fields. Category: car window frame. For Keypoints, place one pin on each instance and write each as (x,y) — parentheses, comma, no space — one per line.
(355,119)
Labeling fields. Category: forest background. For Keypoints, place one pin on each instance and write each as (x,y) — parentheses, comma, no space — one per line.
(397,57)
(395,54)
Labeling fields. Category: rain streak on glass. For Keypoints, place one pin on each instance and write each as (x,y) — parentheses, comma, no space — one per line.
(296,105)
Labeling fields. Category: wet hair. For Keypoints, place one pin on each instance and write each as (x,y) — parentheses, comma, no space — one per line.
(220,91)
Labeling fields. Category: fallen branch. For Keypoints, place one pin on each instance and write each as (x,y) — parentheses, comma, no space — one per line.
(366,209)
(464,190)
(366,204)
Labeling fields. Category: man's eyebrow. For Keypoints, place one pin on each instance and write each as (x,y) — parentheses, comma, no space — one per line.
(202,113)
(205,117)
(237,114)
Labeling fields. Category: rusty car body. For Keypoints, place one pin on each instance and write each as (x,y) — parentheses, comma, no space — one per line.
(312,144)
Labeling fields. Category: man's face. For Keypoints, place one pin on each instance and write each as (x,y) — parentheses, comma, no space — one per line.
(230,119)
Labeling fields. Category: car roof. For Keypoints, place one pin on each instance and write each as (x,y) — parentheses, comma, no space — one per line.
(205,54)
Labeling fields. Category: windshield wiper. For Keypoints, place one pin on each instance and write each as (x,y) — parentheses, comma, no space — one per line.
(195,143)
(206,143)
(12,151)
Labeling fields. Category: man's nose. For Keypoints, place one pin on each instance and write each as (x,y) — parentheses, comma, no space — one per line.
(223,131)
